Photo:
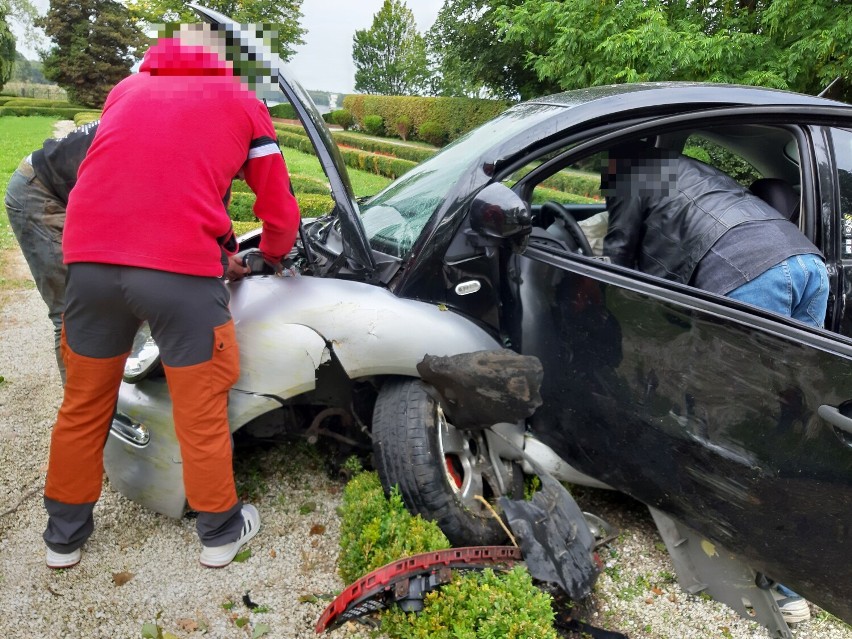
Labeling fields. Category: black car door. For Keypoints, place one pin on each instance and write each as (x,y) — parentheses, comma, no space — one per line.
(729,418)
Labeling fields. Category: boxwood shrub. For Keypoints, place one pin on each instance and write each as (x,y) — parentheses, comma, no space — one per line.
(285,111)
(379,164)
(67,113)
(342,118)
(84,117)
(310,205)
(432,132)
(374,124)
(297,129)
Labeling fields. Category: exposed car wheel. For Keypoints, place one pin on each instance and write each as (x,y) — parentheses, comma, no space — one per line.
(440,470)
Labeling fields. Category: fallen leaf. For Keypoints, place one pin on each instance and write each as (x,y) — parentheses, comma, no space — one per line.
(243,555)
(241,621)
(188,625)
(121,578)
(308,599)
(260,630)
(273,554)
(168,635)
(151,631)
(657,591)
(317,529)
(228,605)
(649,600)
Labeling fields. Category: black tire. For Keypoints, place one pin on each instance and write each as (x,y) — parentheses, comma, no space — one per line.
(408,453)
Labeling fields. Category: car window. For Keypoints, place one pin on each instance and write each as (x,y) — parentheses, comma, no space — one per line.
(842,139)
(703,149)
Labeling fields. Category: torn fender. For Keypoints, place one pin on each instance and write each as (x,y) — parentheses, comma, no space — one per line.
(369,330)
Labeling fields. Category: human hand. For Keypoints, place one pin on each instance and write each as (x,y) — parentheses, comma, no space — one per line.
(236,269)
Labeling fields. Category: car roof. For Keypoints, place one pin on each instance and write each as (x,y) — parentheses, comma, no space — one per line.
(649,94)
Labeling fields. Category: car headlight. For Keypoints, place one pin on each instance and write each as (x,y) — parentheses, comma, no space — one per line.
(144,356)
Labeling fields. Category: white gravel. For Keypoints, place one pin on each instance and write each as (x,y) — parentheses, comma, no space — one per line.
(140,567)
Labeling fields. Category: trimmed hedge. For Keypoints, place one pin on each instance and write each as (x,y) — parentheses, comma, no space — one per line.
(310,205)
(67,113)
(379,164)
(298,129)
(301,184)
(402,151)
(284,111)
(36,102)
(456,115)
(6,98)
(84,117)
(297,141)
(585,185)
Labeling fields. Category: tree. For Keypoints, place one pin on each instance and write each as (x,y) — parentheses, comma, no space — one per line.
(787,44)
(281,15)
(7,49)
(390,56)
(27,70)
(471,58)
(95,47)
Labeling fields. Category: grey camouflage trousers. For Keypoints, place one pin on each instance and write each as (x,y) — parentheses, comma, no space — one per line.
(37,218)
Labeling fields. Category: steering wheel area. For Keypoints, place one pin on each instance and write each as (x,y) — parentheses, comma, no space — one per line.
(565,227)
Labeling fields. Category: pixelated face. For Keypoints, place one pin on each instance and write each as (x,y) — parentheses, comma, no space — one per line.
(653,176)
(248,49)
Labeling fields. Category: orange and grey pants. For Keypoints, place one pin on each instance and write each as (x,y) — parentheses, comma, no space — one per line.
(192,326)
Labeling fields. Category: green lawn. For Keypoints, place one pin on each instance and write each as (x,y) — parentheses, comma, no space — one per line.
(363,183)
(18,137)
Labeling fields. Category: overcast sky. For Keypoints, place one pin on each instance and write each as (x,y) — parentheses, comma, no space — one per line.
(324,62)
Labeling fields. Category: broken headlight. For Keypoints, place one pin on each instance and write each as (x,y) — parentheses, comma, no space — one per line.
(144,356)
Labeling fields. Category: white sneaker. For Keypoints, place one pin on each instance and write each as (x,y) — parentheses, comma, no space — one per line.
(793,608)
(63,559)
(220,556)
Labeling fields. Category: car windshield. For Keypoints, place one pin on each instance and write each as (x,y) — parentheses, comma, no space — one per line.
(395,218)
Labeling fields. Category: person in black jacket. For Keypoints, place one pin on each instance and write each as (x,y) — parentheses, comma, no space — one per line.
(683,220)
(35,200)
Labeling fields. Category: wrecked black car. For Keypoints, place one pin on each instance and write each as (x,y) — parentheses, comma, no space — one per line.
(733,424)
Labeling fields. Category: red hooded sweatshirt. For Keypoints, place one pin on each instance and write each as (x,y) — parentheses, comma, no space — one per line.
(172,137)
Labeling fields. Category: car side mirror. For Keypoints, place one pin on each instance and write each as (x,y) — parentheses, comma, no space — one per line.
(498,215)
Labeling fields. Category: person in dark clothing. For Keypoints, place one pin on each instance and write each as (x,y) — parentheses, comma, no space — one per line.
(35,200)
(683,220)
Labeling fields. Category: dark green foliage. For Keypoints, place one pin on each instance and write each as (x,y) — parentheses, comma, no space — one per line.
(478,604)
(7,48)
(36,102)
(27,70)
(456,115)
(719,157)
(95,47)
(310,205)
(433,133)
(285,111)
(295,141)
(374,125)
(390,56)
(577,183)
(342,118)
(376,530)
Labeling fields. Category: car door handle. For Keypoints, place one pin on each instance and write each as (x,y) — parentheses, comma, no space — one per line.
(835,418)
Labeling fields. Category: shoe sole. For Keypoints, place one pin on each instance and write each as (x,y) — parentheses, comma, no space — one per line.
(65,564)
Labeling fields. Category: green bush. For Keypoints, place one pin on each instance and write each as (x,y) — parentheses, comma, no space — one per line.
(84,117)
(478,604)
(402,124)
(433,133)
(38,102)
(6,98)
(374,125)
(405,152)
(296,141)
(587,185)
(301,184)
(285,111)
(376,530)
(342,118)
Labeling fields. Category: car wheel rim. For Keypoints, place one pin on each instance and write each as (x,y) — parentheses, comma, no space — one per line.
(466,467)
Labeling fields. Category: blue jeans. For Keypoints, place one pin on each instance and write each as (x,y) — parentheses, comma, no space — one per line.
(796,287)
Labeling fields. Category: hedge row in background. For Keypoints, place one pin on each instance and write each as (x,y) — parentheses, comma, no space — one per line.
(389,167)
(301,184)
(284,111)
(36,102)
(401,151)
(66,113)
(310,205)
(581,184)
(453,116)
(84,117)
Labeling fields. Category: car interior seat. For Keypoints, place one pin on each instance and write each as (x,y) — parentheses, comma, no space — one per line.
(778,194)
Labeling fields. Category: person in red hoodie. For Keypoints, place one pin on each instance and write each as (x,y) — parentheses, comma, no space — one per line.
(170,140)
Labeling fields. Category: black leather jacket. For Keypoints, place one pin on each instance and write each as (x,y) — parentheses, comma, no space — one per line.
(666,212)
